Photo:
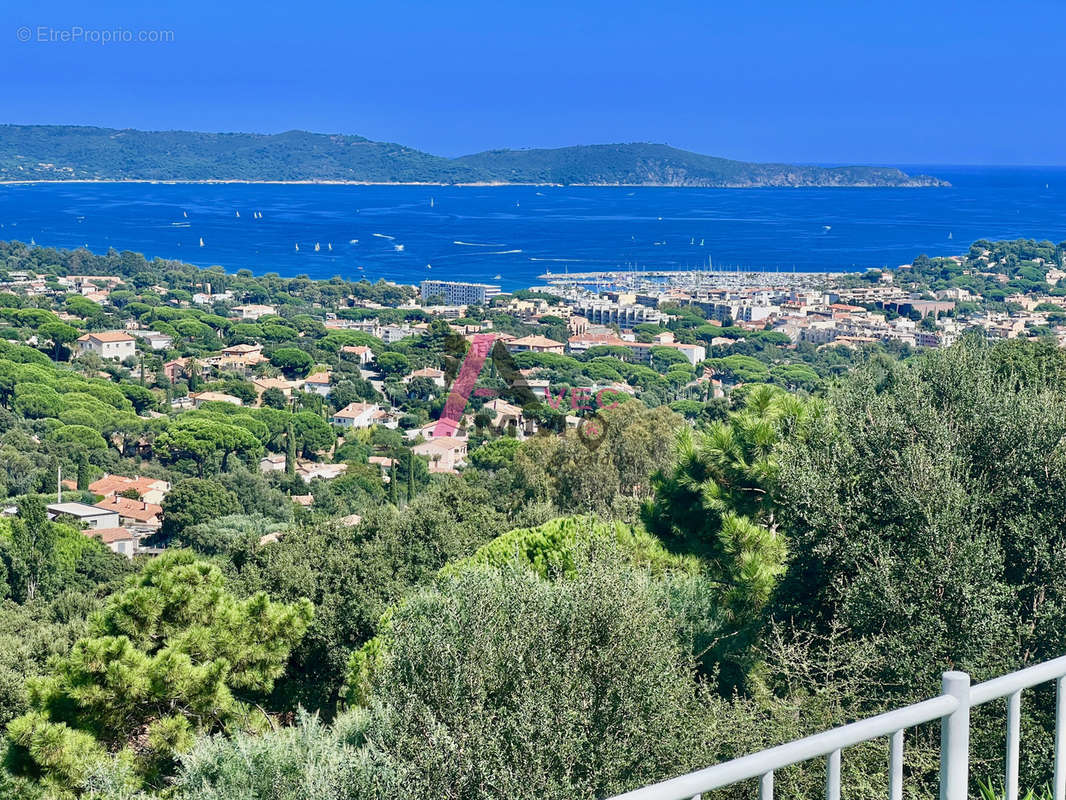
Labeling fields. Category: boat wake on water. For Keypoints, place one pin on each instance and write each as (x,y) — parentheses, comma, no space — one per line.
(570,260)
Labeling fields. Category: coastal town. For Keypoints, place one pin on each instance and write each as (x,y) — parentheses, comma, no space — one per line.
(467,401)
(355,385)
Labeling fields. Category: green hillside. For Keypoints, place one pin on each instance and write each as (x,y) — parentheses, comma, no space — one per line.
(660,165)
(68,152)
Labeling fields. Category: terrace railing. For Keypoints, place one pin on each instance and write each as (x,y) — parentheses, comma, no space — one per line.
(951,707)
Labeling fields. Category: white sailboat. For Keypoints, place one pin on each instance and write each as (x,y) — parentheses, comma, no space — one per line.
(297,247)
(330,246)
(432,202)
(238,213)
(317,247)
(185,214)
(201,241)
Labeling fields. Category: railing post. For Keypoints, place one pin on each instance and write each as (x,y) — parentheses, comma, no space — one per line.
(895,767)
(832,776)
(1014,736)
(955,739)
(1060,739)
(766,786)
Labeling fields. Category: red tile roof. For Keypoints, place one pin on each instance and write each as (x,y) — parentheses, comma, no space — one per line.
(132,509)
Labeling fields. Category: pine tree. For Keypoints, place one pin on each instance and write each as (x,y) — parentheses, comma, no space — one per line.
(172,656)
(33,545)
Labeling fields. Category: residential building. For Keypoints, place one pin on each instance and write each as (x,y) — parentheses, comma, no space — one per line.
(118,540)
(117,345)
(151,490)
(934,339)
(361,353)
(457,293)
(133,512)
(435,375)
(584,341)
(309,470)
(282,385)
(275,462)
(238,357)
(200,398)
(177,368)
(357,415)
(382,462)
(923,307)
(624,315)
(390,334)
(445,453)
(737,310)
(87,516)
(206,298)
(535,344)
(253,311)
(507,414)
(155,339)
(319,384)
(444,312)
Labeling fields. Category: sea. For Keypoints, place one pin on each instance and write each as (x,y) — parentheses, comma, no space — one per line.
(513,235)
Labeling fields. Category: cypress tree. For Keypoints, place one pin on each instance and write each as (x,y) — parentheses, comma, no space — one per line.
(393,491)
(290,450)
(83,472)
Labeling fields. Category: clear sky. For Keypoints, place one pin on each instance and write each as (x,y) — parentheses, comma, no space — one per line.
(855,81)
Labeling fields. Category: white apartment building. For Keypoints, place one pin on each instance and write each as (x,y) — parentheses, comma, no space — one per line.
(604,312)
(458,293)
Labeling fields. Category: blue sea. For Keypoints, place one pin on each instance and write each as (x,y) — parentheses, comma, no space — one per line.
(408,233)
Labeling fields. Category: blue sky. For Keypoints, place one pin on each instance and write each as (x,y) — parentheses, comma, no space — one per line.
(861,81)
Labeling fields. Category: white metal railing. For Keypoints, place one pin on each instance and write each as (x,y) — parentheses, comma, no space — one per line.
(952,707)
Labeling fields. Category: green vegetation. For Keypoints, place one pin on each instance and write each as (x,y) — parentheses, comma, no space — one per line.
(320,611)
(58,152)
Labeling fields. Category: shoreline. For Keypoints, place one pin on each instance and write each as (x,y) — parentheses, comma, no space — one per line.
(940,184)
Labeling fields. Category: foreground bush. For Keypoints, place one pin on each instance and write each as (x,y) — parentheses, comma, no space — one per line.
(501,684)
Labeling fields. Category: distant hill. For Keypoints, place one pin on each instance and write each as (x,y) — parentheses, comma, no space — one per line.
(69,152)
